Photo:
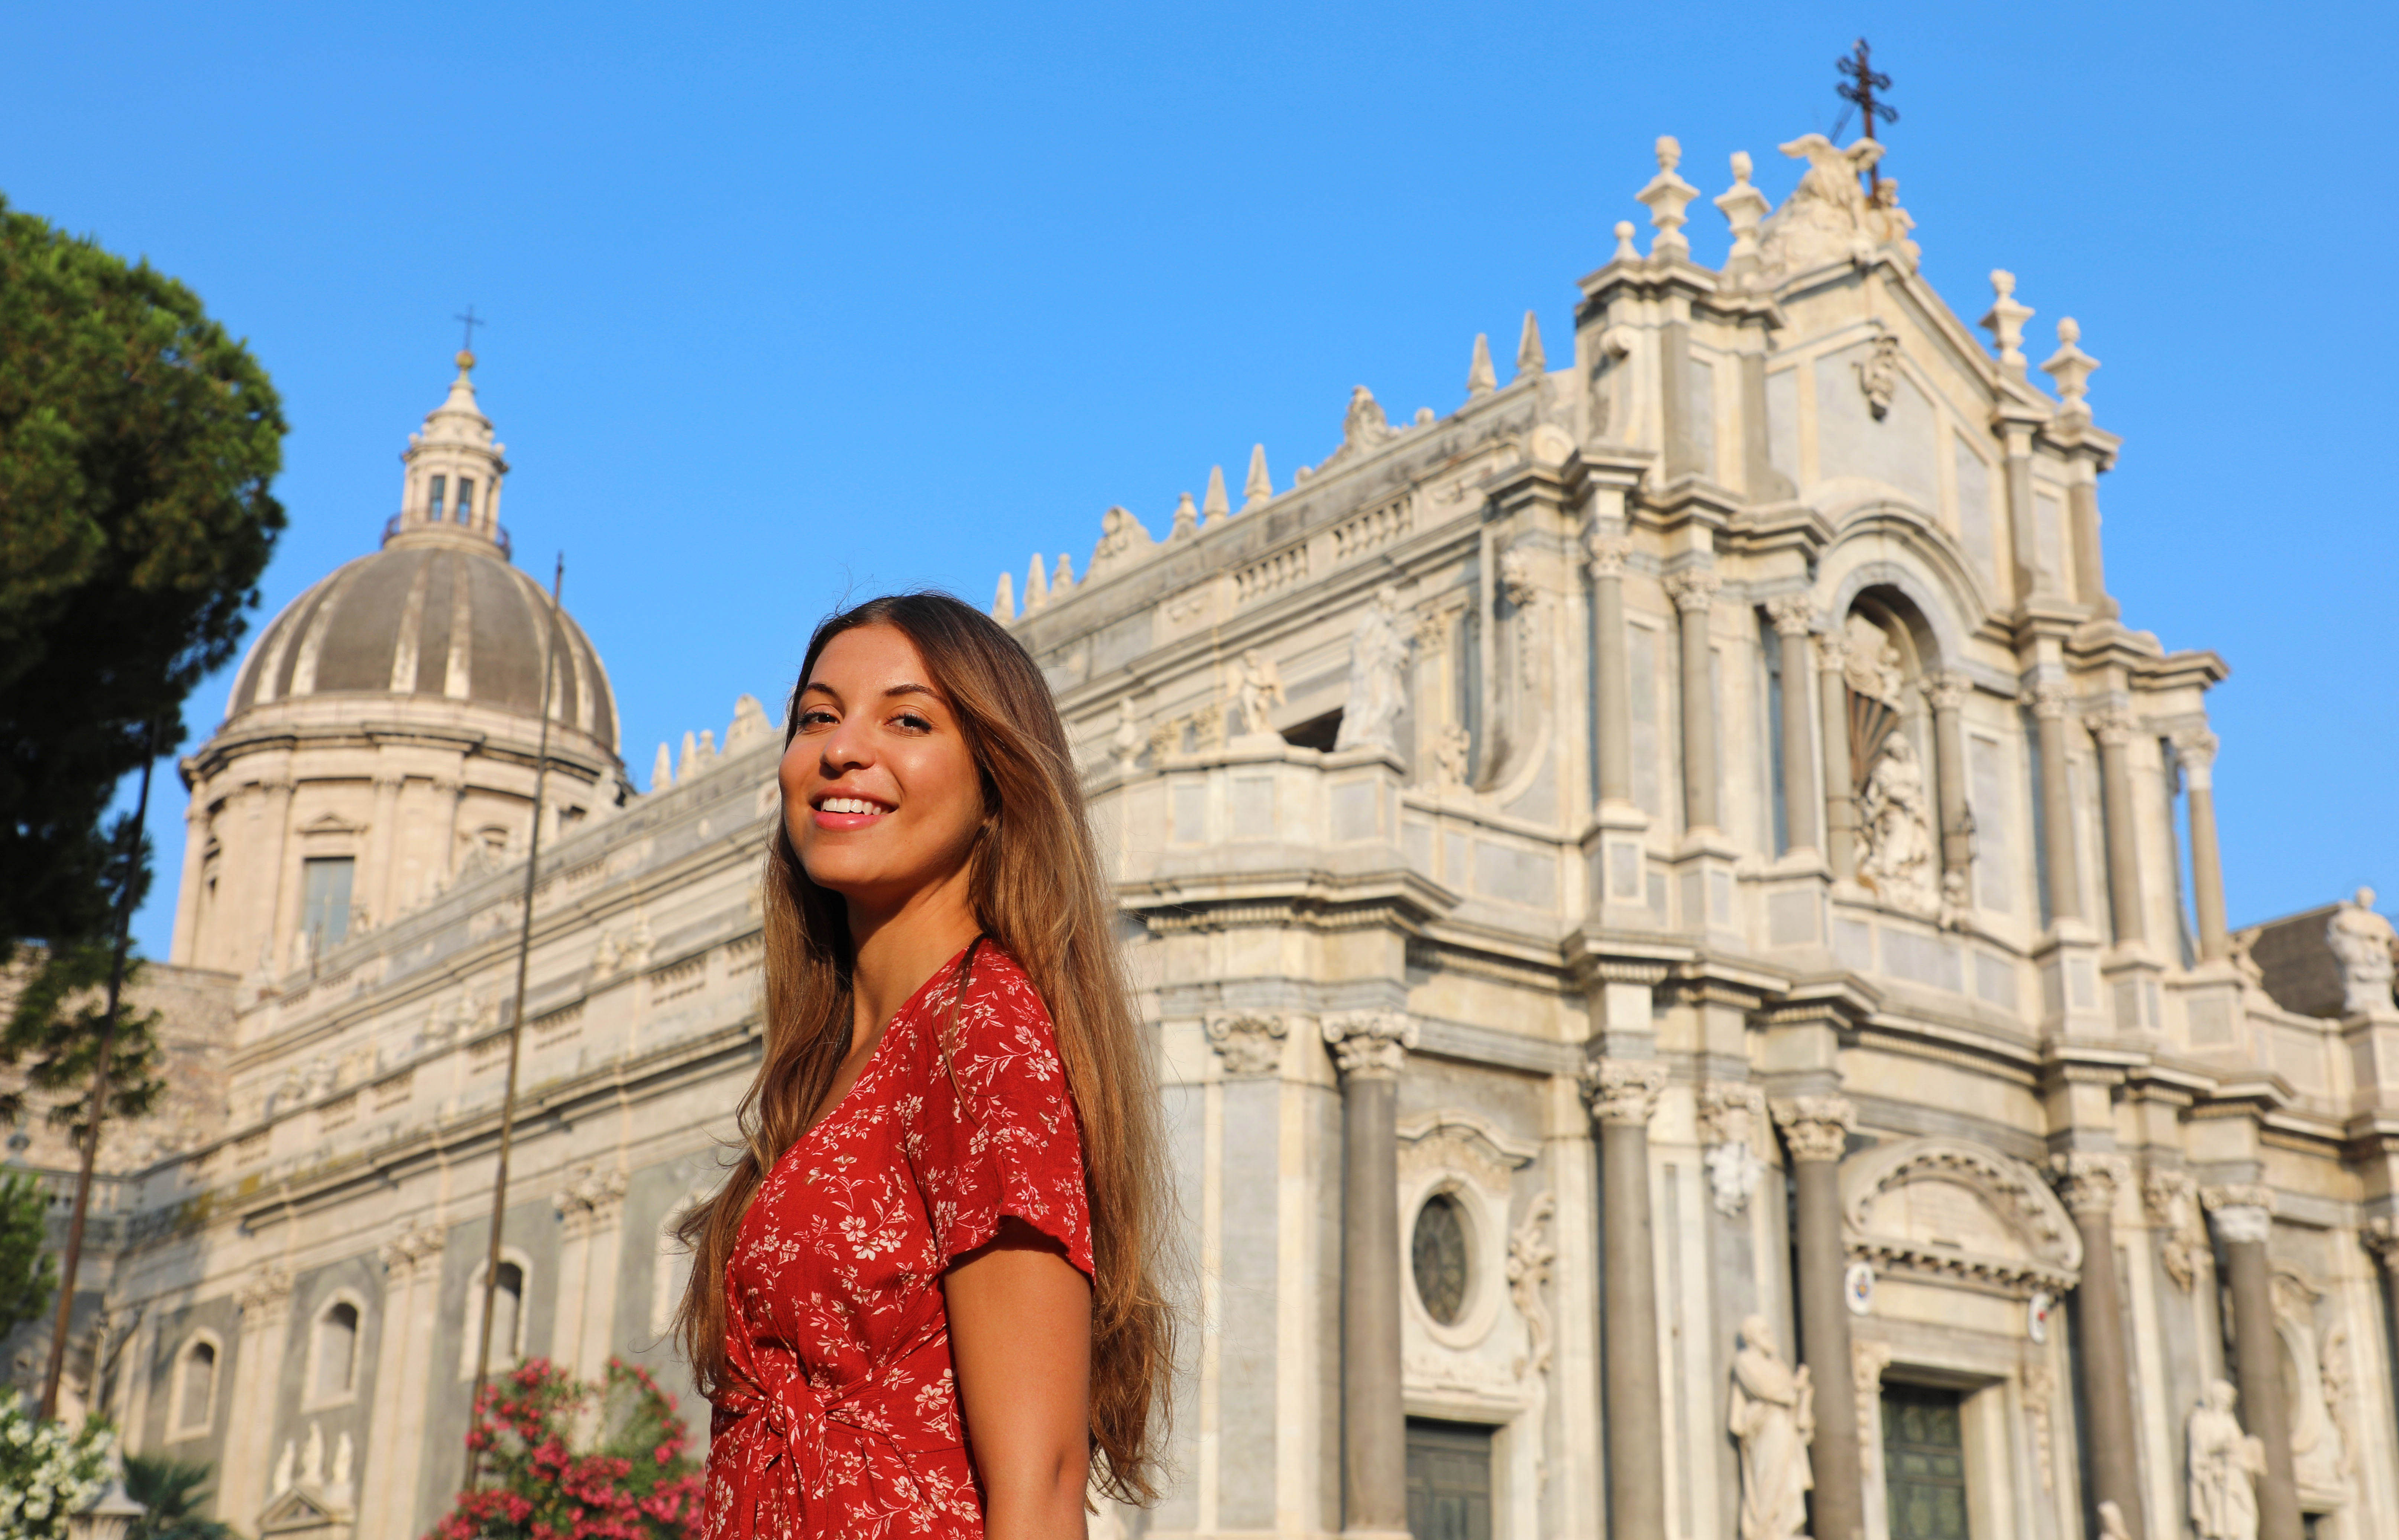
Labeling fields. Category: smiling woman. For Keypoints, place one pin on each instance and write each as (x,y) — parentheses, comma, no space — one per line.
(925,1299)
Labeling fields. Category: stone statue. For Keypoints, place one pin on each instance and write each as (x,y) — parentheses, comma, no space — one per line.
(2365,944)
(1773,1417)
(1257,684)
(1378,654)
(345,1456)
(1899,855)
(1827,217)
(283,1464)
(1127,739)
(2111,1523)
(1453,747)
(2225,1464)
(312,1456)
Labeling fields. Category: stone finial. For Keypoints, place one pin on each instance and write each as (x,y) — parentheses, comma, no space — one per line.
(1259,486)
(688,766)
(663,768)
(1217,506)
(2005,322)
(1480,378)
(1003,608)
(1625,250)
(1037,583)
(1667,196)
(1186,519)
(1742,206)
(1530,360)
(2070,368)
(1061,582)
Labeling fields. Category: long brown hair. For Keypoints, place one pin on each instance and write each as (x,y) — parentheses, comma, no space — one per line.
(1038,891)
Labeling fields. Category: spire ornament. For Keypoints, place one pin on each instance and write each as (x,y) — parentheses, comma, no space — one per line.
(2071,368)
(1258,486)
(1742,206)
(2005,322)
(1667,196)
(1217,508)
(1530,360)
(1480,378)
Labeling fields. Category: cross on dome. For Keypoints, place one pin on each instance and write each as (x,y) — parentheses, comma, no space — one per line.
(449,490)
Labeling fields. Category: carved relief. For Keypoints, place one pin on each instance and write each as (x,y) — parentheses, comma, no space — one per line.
(1895,825)
(2041,1402)
(2171,1200)
(1248,1045)
(1945,1209)
(1732,1125)
(1460,1144)
(1879,374)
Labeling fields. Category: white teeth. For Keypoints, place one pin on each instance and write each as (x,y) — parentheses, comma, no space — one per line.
(848,805)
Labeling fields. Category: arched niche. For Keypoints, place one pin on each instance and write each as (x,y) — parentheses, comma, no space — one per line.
(1960,1213)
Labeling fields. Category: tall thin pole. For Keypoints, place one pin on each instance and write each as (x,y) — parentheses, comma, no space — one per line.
(516,1029)
(97,1105)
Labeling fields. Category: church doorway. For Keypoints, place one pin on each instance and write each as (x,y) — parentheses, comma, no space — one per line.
(1449,1480)
(1924,1461)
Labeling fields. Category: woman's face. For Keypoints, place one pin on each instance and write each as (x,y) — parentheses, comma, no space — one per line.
(881,796)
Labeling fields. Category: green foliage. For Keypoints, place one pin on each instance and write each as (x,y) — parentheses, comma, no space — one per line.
(169,1489)
(136,443)
(54,1030)
(48,1471)
(29,1275)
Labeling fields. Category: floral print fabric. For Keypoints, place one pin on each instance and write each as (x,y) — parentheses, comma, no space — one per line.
(841,1413)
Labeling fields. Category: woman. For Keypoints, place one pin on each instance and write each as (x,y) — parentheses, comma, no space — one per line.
(923,1302)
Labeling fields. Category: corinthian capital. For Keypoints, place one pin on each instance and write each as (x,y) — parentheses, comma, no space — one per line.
(1249,1043)
(2049,699)
(1693,590)
(2111,727)
(1793,613)
(1832,652)
(2196,747)
(1946,690)
(1622,1092)
(265,1298)
(1816,1127)
(1374,1044)
(2381,1237)
(2088,1182)
(1606,552)
(2242,1212)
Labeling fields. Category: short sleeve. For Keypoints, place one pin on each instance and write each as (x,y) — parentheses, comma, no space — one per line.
(995,1132)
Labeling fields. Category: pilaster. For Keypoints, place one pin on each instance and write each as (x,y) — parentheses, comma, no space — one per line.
(1369,1048)
(1623,1095)
(2244,1216)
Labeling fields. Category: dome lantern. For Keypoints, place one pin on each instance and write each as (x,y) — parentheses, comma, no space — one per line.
(450,491)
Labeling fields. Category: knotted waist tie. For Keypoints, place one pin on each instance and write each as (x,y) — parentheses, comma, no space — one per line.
(789,1438)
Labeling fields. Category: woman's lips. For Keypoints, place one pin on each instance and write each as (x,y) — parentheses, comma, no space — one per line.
(848,812)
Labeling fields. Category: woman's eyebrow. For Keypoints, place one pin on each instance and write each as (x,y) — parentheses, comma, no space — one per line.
(912,690)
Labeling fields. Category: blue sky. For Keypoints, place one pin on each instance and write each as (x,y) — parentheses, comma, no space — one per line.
(791,302)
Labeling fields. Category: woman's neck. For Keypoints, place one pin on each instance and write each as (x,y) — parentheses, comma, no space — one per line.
(898,950)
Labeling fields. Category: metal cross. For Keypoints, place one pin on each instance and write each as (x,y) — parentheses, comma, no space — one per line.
(1863,80)
(472,320)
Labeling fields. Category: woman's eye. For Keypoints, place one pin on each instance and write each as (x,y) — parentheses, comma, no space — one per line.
(912,721)
(819,718)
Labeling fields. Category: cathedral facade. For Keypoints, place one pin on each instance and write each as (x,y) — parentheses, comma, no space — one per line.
(1684,932)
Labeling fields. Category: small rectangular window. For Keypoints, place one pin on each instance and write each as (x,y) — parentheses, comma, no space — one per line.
(433,503)
(466,500)
(325,900)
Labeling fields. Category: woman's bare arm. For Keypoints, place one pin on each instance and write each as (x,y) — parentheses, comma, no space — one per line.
(1021,1339)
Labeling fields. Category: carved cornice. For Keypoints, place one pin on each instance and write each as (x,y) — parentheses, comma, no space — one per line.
(1693,590)
(2088,1182)
(1622,1092)
(1248,1044)
(2012,1190)
(1370,1044)
(2242,1212)
(1816,1127)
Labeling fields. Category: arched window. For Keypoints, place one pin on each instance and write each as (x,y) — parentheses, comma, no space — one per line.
(192,1397)
(336,1353)
(433,503)
(508,1316)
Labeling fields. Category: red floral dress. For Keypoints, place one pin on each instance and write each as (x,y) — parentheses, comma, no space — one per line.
(841,1414)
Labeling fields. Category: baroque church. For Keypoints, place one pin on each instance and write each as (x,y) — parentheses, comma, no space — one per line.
(1684,933)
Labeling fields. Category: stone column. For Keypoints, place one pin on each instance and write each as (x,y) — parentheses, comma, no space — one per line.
(590,1235)
(2244,1217)
(1817,1128)
(266,1304)
(2197,748)
(1371,1048)
(2114,731)
(1693,593)
(1612,686)
(1945,692)
(1624,1094)
(1793,614)
(2088,1182)
(2049,699)
(1840,789)
(387,1502)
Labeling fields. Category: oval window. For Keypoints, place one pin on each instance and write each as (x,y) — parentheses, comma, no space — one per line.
(1438,1253)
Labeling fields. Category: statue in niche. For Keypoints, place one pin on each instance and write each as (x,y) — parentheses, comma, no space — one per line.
(1377,655)
(312,1456)
(1773,1417)
(2364,943)
(283,1463)
(2225,1464)
(1898,861)
(1257,684)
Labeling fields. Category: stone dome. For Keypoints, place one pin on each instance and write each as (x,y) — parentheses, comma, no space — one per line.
(426,618)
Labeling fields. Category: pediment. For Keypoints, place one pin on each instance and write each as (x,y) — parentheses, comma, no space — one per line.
(1960,1211)
(330,823)
(301,1509)
(1463,1143)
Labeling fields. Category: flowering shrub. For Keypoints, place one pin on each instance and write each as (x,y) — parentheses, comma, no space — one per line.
(634,1482)
(48,1471)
